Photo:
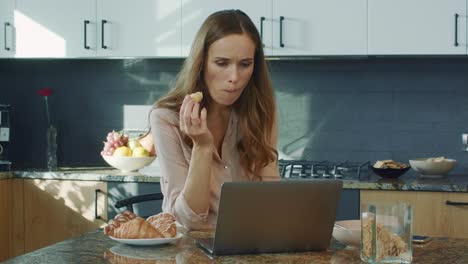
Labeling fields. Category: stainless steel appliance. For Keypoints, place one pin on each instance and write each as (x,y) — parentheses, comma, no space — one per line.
(5,124)
(346,170)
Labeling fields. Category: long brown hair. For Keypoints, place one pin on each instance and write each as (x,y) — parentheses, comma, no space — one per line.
(256,105)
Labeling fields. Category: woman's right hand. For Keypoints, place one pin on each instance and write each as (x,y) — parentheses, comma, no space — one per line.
(193,123)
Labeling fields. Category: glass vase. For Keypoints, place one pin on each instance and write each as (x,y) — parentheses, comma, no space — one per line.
(51,150)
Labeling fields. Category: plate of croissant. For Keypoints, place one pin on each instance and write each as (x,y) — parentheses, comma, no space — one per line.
(128,228)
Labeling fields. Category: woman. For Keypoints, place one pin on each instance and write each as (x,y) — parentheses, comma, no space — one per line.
(230,135)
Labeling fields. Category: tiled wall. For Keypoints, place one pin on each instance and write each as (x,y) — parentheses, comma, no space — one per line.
(355,109)
(88,101)
(373,109)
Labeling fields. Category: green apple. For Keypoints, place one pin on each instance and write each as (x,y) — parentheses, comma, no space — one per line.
(133,143)
(140,152)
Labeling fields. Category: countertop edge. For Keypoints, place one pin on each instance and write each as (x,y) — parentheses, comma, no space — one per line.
(6,175)
(90,175)
(456,184)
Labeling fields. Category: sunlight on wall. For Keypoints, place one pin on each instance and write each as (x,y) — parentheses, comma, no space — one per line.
(35,40)
(136,123)
(135,117)
(294,134)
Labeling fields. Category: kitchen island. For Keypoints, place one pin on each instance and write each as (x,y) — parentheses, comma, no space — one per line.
(87,195)
(95,247)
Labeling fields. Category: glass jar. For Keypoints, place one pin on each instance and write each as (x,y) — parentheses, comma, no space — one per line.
(386,232)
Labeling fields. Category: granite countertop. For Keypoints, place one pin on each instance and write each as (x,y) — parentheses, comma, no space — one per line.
(408,182)
(95,247)
(88,174)
(411,181)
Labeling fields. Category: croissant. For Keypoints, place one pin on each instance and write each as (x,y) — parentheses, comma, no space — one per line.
(165,223)
(118,221)
(130,226)
(137,228)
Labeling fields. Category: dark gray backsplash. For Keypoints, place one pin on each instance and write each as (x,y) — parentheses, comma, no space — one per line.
(356,109)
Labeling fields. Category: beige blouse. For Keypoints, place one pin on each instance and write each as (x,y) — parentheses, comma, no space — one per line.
(174,159)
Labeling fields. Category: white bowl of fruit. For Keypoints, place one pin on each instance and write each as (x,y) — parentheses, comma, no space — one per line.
(125,154)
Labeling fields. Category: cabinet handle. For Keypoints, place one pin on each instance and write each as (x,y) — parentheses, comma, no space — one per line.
(103,22)
(5,34)
(96,216)
(456,29)
(281,31)
(455,203)
(86,22)
(261,30)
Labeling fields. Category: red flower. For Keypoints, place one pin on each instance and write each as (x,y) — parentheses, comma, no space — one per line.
(45,91)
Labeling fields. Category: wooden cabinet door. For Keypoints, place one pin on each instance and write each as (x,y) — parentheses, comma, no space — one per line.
(6,218)
(432,216)
(56,210)
(105,28)
(416,27)
(457,215)
(17,227)
(55,28)
(7,43)
(319,27)
(139,28)
(195,12)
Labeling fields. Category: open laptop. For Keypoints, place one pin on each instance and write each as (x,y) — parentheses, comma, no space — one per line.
(267,217)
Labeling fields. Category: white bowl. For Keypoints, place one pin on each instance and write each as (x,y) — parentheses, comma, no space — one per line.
(350,235)
(433,167)
(128,164)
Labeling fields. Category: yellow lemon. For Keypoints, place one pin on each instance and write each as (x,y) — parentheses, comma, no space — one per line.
(140,152)
(123,151)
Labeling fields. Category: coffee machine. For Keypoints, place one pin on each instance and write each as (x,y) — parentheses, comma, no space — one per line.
(5,124)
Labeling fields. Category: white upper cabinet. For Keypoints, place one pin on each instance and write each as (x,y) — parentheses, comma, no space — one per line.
(400,27)
(139,28)
(162,28)
(320,27)
(195,12)
(303,27)
(7,37)
(55,28)
(90,28)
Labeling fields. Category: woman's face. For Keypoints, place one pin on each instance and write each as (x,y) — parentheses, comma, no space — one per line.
(228,68)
